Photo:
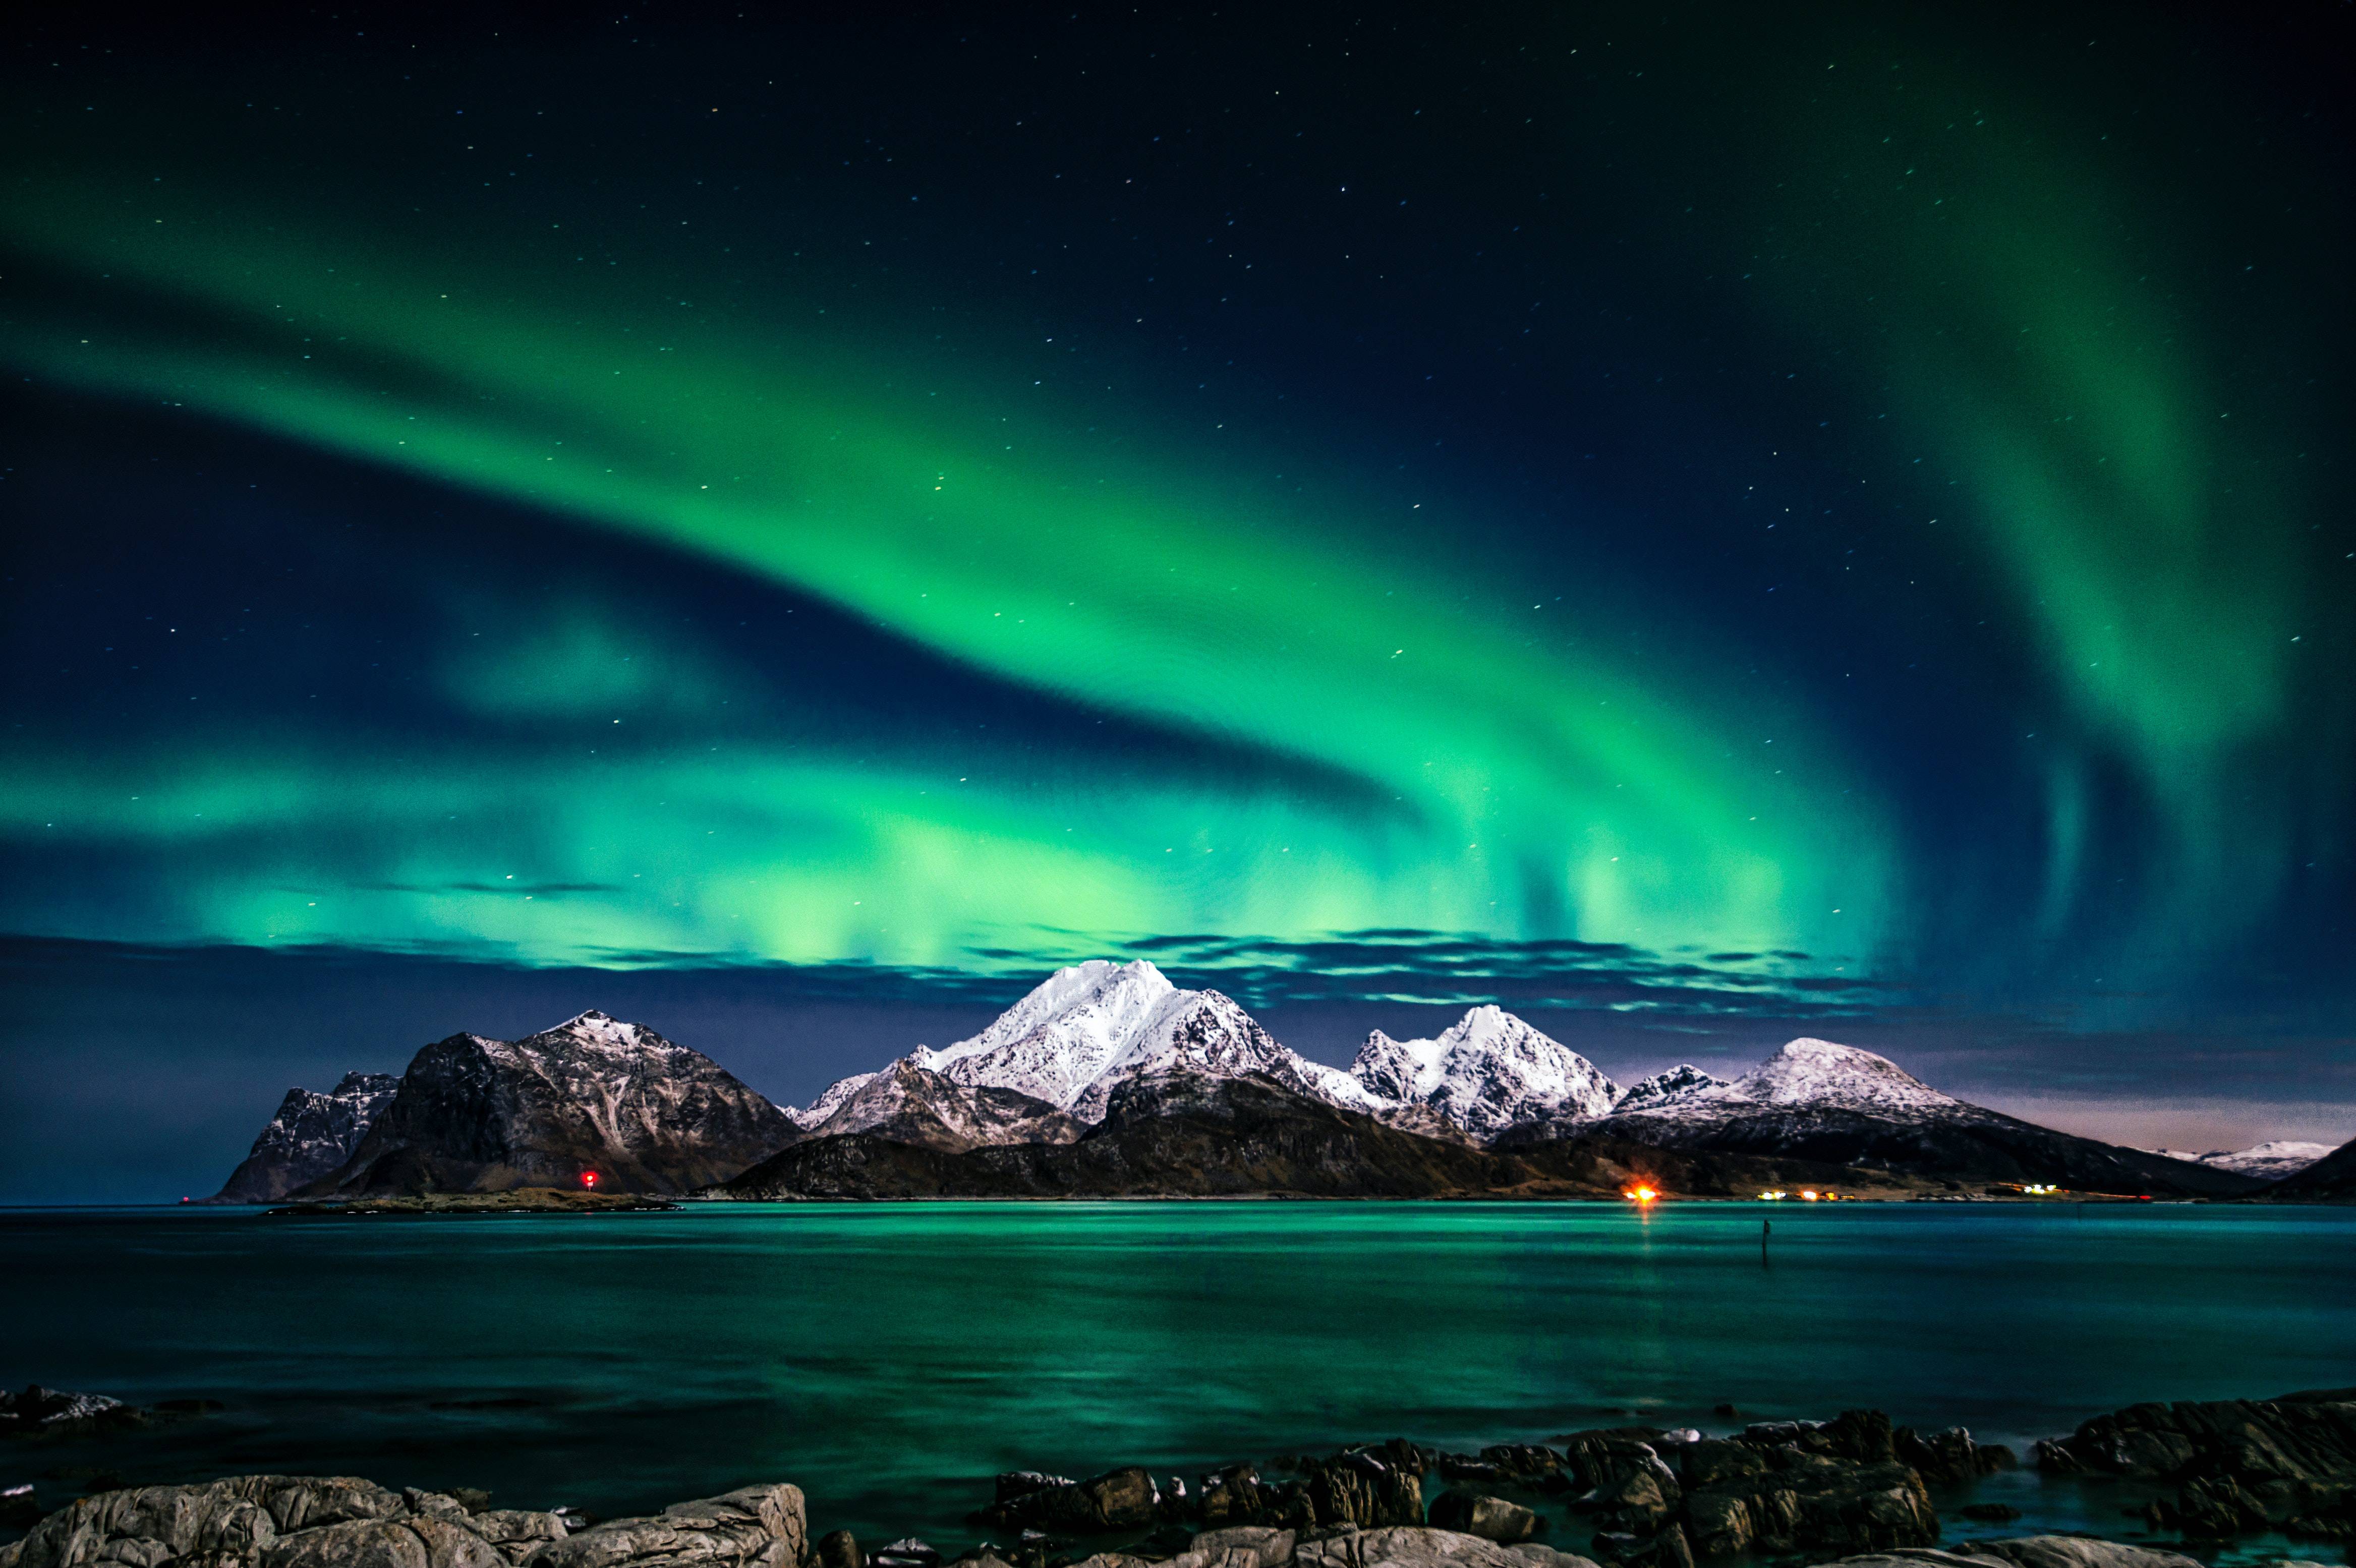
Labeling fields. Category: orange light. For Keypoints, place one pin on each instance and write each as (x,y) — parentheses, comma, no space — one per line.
(1641,1194)
(1808,1193)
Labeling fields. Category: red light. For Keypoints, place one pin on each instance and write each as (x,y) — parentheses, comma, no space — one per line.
(589,1178)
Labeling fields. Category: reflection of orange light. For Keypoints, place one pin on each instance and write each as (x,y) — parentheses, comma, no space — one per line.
(588,1179)
(1642,1194)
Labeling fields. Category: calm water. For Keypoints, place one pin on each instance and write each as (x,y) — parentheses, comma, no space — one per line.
(890,1357)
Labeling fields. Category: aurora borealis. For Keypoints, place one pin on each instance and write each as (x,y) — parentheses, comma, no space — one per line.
(1691,517)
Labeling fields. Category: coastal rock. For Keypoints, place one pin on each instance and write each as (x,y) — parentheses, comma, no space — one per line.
(310,1136)
(838,1549)
(753,1527)
(1491,1518)
(2029,1552)
(1264,1547)
(1118,1499)
(1362,1489)
(49,1412)
(592,1095)
(252,1521)
(1411,1546)
(1950,1458)
(2239,1466)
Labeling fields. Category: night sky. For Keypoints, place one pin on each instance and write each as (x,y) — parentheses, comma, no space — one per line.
(1698,524)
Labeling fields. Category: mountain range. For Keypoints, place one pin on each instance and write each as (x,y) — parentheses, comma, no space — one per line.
(1109,1079)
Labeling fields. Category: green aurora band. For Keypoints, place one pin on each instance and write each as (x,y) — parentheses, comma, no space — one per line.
(1642,816)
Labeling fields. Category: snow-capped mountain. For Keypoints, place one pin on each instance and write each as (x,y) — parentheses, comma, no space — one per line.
(1671,1083)
(1085,1030)
(475,1114)
(311,1134)
(1807,1074)
(2272,1161)
(1486,1072)
(1838,1105)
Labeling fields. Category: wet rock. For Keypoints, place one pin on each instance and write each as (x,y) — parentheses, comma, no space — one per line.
(517,1532)
(2239,1466)
(906,1553)
(1491,1518)
(1118,1499)
(1410,1546)
(1622,1483)
(1949,1458)
(1666,1547)
(1012,1484)
(840,1549)
(1362,1488)
(754,1526)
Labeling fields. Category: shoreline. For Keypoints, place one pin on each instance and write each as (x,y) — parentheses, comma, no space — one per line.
(2203,1476)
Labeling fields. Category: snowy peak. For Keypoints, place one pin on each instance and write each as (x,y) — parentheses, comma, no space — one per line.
(2272,1161)
(1803,1075)
(1085,1030)
(1486,1072)
(1819,1075)
(1067,1034)
(1679,1082)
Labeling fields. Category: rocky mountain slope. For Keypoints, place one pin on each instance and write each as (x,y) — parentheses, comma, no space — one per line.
(310,1136)
(2332,1179)
(1672,1083)
(590,1096)
(911,1104)
(1841,1105)
(1485,1073)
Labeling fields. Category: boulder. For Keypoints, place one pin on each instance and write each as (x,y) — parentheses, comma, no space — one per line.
(1491,1518)
(840,1549)
(754,1526)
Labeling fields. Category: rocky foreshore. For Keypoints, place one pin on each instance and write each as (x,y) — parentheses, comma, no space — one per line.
(1855,1490)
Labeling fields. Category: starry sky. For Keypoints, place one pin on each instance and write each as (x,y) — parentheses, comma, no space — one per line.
(1697,524)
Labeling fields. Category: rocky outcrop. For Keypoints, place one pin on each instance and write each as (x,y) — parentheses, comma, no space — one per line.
(593,1096)
(2238,1466)
(341,1522)
(1118,1499)
(311,1136)
(48,1413)
(2332,1179)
